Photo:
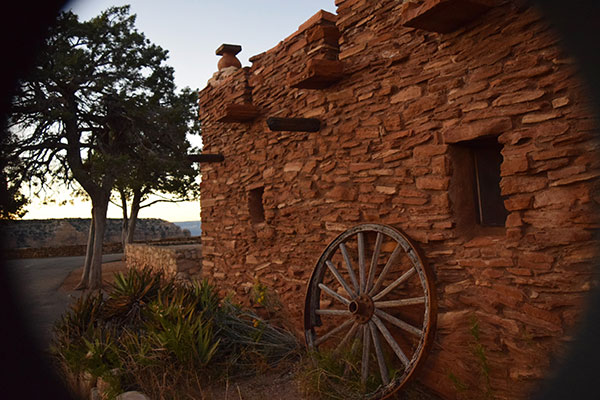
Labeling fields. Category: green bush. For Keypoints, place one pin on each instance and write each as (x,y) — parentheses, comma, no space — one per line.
(166,339)
(334,375)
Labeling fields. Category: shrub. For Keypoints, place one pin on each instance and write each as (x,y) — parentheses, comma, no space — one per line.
(166,339)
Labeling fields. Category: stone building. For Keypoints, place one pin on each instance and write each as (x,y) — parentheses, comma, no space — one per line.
(460,122)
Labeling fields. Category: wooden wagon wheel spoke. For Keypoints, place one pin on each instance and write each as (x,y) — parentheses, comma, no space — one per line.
(349,266)
(399,323)
(394,284)
(364,368)
(333,332)
(374,259)
(333,294)
(401,285)
(400,303)
(333,312)
(339,278)
(361,262)
(347,337)
(379,353)
(390,262)
(390,339)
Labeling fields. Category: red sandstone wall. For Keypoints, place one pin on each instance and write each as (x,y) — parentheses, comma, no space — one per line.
(385,154)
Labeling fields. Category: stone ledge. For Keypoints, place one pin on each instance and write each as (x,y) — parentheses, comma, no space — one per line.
(443,16)
(318,74)
(238,113)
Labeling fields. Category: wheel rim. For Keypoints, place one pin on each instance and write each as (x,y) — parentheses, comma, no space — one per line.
(371,290)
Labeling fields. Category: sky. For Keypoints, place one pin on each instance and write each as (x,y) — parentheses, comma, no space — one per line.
(191,30)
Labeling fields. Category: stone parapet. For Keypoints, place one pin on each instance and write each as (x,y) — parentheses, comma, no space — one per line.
(182,261)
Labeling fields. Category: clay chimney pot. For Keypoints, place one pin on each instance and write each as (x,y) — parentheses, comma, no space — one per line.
(228,58)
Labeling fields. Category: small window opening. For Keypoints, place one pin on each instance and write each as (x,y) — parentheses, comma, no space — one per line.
(255,205)
(487,159)
(475,186)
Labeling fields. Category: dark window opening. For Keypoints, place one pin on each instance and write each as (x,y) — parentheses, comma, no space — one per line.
(474,191)
(255,205)
(486,167)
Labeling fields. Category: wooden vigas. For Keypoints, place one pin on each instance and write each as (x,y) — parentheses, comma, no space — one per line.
(294,124)
(206,158)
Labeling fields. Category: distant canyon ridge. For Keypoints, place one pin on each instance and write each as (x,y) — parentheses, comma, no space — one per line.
(73,231)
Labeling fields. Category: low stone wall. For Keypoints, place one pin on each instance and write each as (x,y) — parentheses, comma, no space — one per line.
(62,251)
(181,260)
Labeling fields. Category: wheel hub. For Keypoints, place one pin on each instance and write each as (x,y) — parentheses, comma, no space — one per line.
(362,308)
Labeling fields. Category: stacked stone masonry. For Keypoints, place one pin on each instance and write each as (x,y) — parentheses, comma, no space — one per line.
(180,261)
(389,151)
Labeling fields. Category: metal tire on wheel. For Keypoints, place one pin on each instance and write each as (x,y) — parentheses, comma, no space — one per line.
(372,296)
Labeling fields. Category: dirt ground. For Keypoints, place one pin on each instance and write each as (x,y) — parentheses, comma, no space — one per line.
(108,272)
(270,385)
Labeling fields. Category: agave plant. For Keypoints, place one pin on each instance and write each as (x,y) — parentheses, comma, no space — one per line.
(185,337)
(131,293)
(207,296)
(152,333)
(80,322)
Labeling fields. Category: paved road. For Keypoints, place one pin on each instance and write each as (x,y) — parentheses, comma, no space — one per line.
(38,281)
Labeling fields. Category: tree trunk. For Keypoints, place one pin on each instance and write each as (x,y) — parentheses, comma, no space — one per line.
(100,206)
(83,282)
(125,224)
(135,209)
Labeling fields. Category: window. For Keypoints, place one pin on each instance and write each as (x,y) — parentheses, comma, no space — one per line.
(255,205)
(475,185)
(486,165)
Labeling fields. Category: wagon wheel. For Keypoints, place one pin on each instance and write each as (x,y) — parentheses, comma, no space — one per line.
(371,301)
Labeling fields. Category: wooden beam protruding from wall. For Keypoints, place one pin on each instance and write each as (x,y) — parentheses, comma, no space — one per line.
(294,124)
(206,158)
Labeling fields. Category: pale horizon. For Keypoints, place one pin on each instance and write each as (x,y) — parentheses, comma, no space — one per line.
(172,212)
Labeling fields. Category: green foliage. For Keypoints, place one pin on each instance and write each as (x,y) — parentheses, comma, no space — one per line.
(335,375)
(479,352)
(76,328)
(332,375)
(152,334)
(474,328)
(247,340)
(261,295)
(459,385)
(12,201)
(131,293)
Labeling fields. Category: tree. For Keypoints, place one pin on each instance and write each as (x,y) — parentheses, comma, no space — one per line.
(86,104)
(12,201)
(158,166)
